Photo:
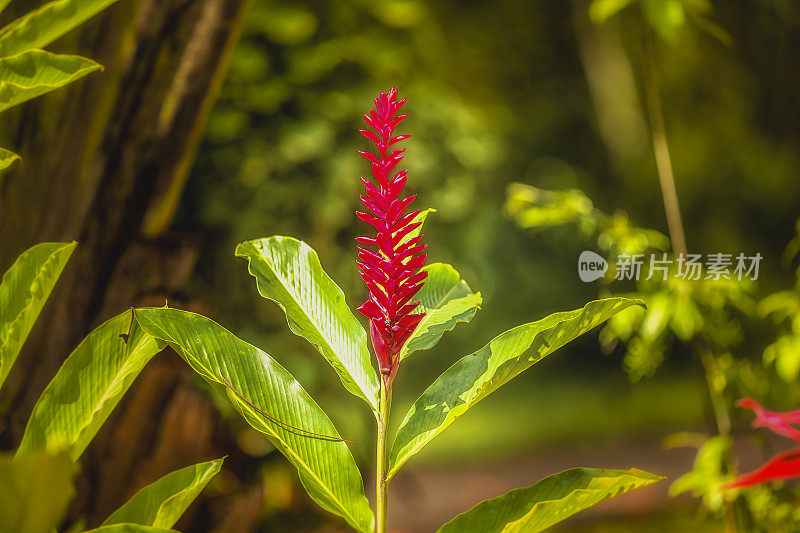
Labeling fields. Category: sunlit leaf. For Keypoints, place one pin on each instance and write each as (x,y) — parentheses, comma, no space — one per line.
(548,502)
(708,473)
(7,157)
(666,16)
(36,72)
(23,292)
(784,353)
(602,10)
(44,25)
(87,387)
(130,528)
(421,217)
(534,208)
(293,422)
(288,272)
(34,491)
(162,503)
(660,307)
(446,300)
(477,375)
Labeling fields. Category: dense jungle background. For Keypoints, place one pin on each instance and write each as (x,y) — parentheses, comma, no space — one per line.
(218,121)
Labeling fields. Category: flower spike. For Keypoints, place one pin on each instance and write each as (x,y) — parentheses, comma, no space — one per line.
(391,271)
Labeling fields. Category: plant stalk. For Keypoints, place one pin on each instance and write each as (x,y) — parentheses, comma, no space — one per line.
(658,135)
(381,481)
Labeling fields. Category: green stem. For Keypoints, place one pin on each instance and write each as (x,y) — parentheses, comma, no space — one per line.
(730,511)
(381,481)
(658,135)
(716,396)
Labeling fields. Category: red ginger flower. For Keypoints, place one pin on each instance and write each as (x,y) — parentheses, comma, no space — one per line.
(391,270)
(785,465)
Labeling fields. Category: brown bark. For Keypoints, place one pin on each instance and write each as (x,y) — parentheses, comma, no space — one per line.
(104,164)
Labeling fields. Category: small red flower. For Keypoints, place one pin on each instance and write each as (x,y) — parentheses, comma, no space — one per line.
(785,465)
(391,270)
(777,422)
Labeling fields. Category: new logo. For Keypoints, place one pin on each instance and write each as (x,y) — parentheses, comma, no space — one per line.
(591,266)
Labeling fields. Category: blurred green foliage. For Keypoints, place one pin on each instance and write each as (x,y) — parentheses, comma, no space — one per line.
(498,92)
(704,312)
(711,318)
(513,91)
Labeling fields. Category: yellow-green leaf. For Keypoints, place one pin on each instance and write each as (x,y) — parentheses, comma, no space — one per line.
(130,528)
(23,292)
(36,72)
(271,401)
(161,503)
(602,10)
(7,157)
(477,375)
(288,272)
(44,25)
(556,497)
(87,387)
(446,300)
(34,491)
(666,16)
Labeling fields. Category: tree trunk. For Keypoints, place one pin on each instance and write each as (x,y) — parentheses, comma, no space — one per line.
(105,162)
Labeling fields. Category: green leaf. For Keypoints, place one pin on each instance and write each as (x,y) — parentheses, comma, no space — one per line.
(446,300)
(7,157)
(288,272)
(36,72)
(477,375)
(601,10)
(709,472)
(87,387)
(666,16)
(130,528)
(549,501)
(23,292)
(44,25)
(421,218)
(296,425)
(34,491)
(162,503)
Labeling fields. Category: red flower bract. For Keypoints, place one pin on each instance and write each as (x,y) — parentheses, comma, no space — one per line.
(780,423)
(392,269)
(785,465)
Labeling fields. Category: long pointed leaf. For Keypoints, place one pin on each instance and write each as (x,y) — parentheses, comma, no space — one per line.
(87,387)
(44,25)
(23,292)
(548,502)
(7,157)
(446,300)
(34,491)
(477,375)
(36,72)
(130,528)
(296,425)
(288,272)
(161,503)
